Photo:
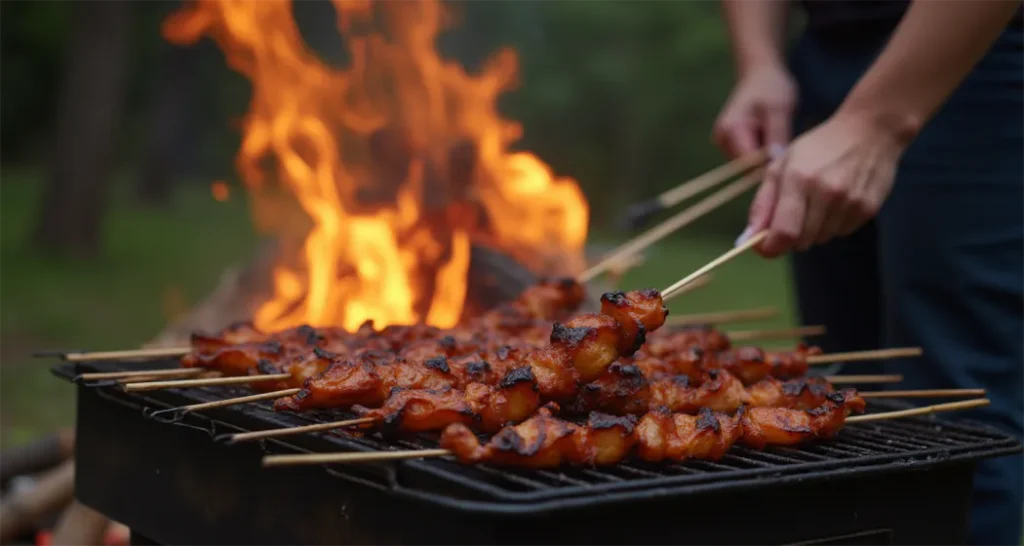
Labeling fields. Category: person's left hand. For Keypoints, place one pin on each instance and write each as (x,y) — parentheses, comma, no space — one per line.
(828,183)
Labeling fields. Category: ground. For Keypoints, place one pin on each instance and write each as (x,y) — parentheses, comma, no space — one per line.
(157,262)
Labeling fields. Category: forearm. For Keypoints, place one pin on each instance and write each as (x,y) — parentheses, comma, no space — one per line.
(757,30)
(933,49)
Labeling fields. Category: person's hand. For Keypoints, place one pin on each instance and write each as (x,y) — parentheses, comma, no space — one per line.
(758,113)
(829,182)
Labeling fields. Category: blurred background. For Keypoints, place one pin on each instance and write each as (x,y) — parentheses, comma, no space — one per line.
(121,206)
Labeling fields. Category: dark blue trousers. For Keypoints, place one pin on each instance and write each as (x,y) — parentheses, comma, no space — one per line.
(942,266)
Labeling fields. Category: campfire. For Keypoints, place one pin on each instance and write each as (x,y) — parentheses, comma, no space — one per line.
(378,179)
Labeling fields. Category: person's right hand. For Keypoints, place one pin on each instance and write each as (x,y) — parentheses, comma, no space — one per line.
(758,113)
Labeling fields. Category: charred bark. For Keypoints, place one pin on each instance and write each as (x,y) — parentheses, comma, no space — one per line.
(88,113)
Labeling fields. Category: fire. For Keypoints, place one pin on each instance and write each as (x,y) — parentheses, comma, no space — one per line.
(379,176)
(220,191)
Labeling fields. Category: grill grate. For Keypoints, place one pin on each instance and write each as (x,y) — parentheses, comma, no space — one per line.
(869,447)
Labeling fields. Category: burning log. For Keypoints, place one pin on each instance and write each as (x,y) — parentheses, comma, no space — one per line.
(20,510)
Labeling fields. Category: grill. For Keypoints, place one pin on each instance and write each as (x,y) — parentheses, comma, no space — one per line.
(171,480)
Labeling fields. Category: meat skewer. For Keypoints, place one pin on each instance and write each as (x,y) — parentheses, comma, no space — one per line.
(426,399)
(750,364)
(579,350)
(247,359)
(543,300)
(545,441)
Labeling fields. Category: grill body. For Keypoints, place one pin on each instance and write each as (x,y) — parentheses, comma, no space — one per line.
(890,483)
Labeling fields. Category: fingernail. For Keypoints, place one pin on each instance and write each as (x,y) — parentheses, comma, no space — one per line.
(747,233)
(776,150)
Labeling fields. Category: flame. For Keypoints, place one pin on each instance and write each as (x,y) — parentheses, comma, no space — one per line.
(220,191)
(379,176)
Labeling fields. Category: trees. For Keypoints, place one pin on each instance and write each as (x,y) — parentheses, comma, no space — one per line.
(88,112)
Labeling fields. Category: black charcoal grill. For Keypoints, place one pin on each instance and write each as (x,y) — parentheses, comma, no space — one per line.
(170,479)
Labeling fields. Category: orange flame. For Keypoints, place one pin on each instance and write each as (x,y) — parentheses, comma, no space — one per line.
(220,191)
(398,163)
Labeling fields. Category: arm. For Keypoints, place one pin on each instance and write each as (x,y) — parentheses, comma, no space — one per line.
(758,111)
(835,177)
(756,31)
(934,48)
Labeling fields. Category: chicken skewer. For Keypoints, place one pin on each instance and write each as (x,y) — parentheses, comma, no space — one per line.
(749,364)
(624,389)
(544,441)
(579,350)
(472,409)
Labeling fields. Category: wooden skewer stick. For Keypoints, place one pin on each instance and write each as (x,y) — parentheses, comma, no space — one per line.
(782,333)
(719,317)
(671,291)
(174,372)
(924,410)
(369,456)
(667,227)
(700,282)
(231,401)
(876,354)
(923,393)
(638,214)
(133,354)
(710,179)
(862,379)
(374,456)
(213,381)
(273,433)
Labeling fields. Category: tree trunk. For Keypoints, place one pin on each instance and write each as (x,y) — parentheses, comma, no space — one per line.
(88,113)
(168,119)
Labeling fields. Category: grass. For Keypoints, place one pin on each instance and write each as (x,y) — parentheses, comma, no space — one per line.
(160,261)
(154,262)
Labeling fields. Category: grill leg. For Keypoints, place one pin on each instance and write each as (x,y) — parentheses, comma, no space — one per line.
(135,539)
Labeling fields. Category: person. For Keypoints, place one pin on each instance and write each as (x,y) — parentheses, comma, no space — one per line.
(901,197)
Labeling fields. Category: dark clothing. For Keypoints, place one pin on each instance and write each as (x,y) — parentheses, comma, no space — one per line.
(827,15)
(942,266)
(830,17)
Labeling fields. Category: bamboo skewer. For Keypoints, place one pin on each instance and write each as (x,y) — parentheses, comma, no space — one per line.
(260,434)
(862,379)
(640,212)
(163,352)
(923,393)
(924,410)
(782,333)
(369,456)
(229,401)
(671,291)
(325,458)
(718,317)
(854,356)
(669,226)
(214,381)
(173,372)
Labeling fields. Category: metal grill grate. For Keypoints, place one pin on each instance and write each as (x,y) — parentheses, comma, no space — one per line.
(869,447)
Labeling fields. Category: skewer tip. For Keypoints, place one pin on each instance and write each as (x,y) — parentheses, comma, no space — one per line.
(638,214)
